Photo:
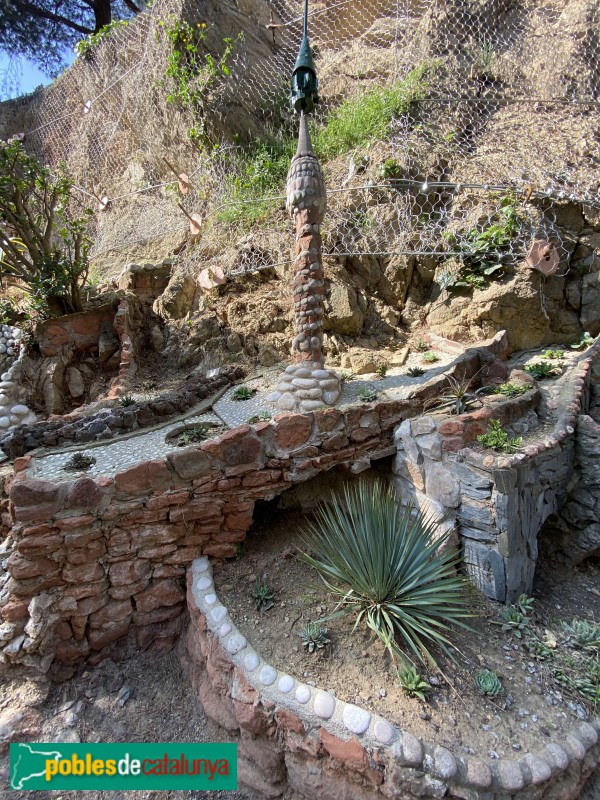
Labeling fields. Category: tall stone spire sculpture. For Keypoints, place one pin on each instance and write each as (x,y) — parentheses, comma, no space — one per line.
(306,385)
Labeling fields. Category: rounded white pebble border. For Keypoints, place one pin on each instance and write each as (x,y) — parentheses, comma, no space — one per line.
(318,707)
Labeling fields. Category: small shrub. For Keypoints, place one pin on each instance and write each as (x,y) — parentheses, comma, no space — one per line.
(384,565)
(511,389)
(488,683)
(382,370)
(516,619)
(242,393)
(264,416)
(367,395)
(79,461)
(554,354)
(430,357)
(194,434)
(262,594)
(497,438)
(583,634)
(542,370)
(412,683)
(389,170)
(420,346)
(126,400)
(415,372)
(458,395)
(314,636)
(585,341)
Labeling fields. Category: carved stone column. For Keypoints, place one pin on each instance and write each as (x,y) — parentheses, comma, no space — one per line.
(307,385)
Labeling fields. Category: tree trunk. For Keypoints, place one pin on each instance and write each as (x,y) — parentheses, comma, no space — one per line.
(102,14)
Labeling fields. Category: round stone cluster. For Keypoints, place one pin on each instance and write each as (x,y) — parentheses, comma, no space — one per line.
(10,340)
(306,387)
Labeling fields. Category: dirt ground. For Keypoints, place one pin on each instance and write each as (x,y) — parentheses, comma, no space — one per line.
(534,707)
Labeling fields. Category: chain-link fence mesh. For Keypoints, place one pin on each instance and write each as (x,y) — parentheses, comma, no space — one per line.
(449,128)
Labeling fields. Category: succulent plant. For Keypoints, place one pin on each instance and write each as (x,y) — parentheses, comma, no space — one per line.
(366,395)
(262,593)
(126,400)
(488,683)
(79,461)
(242,393)
(412,683)
(314,636)
(583,634)
(415,372)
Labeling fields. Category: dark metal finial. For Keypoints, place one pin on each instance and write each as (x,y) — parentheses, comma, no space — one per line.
(305,86)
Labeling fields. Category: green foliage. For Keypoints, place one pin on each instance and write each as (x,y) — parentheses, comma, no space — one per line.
(42,245)
(585,341)
(383,564)
(583,679)
(484,253)
(498,439)
(516,617)
(369,116)
(126,400)
(255,177)
(512,389)
(314,636)
(382,369)
(389,170)
(193,73)
(542,370)
(420,346)
(583,634)
(488,683)
(194,434)
(554,354)
(412,683)
(264,416)
(262,594)
(242,393)
(367,395)
(458,395)
(430,357)
(78,462)
(415,372)
(85,47)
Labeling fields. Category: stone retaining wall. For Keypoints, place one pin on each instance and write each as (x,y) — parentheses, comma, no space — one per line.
(292,736)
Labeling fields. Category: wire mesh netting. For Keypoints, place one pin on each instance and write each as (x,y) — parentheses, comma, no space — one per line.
(448,128)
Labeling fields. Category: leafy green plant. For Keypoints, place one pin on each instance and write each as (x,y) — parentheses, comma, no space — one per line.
(516,617)
(84,47)
(585,341)
(382,369)
(538,649)
(541,370)
(366,395)
(194,434)
(263,416)
(584,679)
(488,683)
(430,357)
(369,116)
(554,354)
(42,244)
(512,389)
(420,345)
(192,72)
(79,461)
(389,170)
(384,564)
(242,393)
(497,438)
(126,400)
(583,634)
(484,253)
(415,372)
(458,395)
(262,594)
(412,683)
(314,636)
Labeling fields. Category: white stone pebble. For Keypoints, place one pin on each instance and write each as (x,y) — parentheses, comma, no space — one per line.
(383,731)
(210,599)
(4,422)
(19,409)
(225,629)
(355,719)
(268,675)
(286,684)
(251,661)
(218,614)
(236,643)
(302,694)
(204,583)
(324,705)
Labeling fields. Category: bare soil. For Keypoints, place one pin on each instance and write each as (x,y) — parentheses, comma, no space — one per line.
(533,708)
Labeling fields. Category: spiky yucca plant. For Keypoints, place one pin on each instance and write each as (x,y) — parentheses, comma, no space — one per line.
(383,563)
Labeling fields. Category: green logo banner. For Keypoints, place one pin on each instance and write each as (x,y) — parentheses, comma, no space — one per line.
(103,767)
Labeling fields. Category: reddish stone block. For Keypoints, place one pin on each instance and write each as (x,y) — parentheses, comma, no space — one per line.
(81,555)
(292,430)
(101,637)
(78,624)
(157,552)
(197,509)
(335,442)
(451,427)
(144,515)
(129,572)
(84,493)
(266,755)
(229,536)
(168,571)
(452,444)
(120,543)
(33,513)
(88,605)
(128,589)
(168,499)
(34,493)
(236,447)
(328,419)
(73,523)
(82,538)
(184,555)
(22,568)
(165,593)
(206,486)
(82,573)
(148,477)
(261,478)
(70,652)
(228,484)
(220,550)
(238,522)
(35,546)
(36,530)
(158,615)
(22,463)
(63,630)
(85,590)
(166,632)
(28,587)
(151,535)
(289,721)
(362,434)
(191,462)
(113,611)
(15,608)
(117,509)
(217,708)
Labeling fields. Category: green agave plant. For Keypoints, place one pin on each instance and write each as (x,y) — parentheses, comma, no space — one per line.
(488,683)
(314,636)
(583,634)
(383,563)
